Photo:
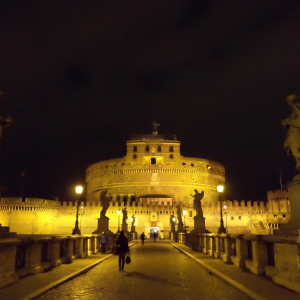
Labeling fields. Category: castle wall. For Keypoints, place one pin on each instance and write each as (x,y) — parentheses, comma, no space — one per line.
(53,217)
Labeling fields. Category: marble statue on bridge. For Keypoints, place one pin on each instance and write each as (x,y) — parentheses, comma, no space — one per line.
(292,139)
(104,203)
(197,202)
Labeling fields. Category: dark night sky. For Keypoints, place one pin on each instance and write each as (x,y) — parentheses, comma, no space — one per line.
(79,77)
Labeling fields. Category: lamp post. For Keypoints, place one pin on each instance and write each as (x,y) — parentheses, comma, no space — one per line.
(81,214)
(119,213)
(76,229)
(184,213)
(226,213)
(173,224)
(221,229)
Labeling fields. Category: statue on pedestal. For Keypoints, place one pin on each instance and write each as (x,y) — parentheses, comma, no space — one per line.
(104,203)
(103,220)
(133,220)
(292,139)
(179,213)
(197,202)
(125,214)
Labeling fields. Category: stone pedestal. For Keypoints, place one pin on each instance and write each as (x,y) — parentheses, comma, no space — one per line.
(180,226)
(291,228)
(132,229)
(102,225)
(125,227)
(199,225)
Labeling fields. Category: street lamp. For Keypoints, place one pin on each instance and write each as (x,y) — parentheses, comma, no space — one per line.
(221,229)
(173,223)
(82,212)
(78,191)
(184,213)
(119,213)
(226,213)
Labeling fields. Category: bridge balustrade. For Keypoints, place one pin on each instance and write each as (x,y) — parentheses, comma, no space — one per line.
(26,255)
(272,255)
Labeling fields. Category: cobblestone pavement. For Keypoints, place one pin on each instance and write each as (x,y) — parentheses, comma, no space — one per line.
(157,271)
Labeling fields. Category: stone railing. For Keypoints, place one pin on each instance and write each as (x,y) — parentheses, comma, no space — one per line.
(274,256)
(23,255)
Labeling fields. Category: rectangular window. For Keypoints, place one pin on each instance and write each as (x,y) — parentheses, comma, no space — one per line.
(134,148)
(159,149)
(240,218)
(171,149)
(171,156)
(232,218)
(147,149)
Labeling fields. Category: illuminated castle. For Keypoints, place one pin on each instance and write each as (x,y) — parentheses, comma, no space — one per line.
(153,170)
(150,181)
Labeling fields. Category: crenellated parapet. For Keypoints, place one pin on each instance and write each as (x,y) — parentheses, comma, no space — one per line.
(30,204)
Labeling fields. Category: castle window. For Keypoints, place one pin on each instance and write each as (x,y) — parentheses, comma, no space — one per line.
(158,148)
(134,148)
(232,218)
(183,164)
(171,149)
(171,156)
(192,165)
(134,155)
(153,161)
(147,149)
(240,218)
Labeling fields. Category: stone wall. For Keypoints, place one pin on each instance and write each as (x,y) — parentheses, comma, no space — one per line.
(40,216)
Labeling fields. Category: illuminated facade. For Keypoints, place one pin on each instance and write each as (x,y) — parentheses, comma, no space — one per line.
(150,181)
(153,170)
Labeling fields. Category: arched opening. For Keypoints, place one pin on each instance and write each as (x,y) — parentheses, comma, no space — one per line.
(154,230)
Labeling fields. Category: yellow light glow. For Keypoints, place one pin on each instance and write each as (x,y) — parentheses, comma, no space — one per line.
(79,189)
(184,212)
(220,188)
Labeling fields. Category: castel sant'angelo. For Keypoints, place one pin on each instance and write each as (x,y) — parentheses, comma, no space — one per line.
(149,182)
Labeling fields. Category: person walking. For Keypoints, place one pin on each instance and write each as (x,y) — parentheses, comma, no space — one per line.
(154,236)
(103,241)
(142,237)
(123,249)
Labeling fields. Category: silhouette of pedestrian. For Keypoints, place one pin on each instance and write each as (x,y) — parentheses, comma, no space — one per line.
(142,237)
(103,241)
(154,236)
(123,249)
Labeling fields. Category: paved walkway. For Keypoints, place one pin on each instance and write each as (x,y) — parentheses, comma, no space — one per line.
(256,287)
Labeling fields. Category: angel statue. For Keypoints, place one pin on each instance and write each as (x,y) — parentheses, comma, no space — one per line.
(104,203)
(292,138)
(155,126)
(197,202)
(179,213)
(133,220)
(125,214)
